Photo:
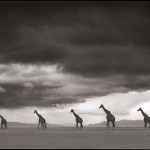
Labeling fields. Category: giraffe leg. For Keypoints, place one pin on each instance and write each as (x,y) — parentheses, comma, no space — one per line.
(149,123)
(38,125)
(108,126)
(5,126)
(114,124)
(146,125)
(81,126)
(77,125)
(43,125)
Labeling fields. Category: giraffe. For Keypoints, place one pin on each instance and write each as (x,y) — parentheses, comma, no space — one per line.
(41,120)
(78,119)
(109,116)
(146,118)
(3,122)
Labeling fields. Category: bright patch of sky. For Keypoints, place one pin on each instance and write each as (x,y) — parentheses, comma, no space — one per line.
(122,106)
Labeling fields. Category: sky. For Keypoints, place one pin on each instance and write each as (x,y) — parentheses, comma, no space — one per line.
(58,56)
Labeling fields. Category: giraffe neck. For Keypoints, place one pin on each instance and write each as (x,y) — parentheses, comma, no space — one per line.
(143,113)
(75,114)
(1,117)
(105,110)
(38,114)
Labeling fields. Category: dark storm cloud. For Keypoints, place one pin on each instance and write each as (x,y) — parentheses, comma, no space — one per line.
(18,95)
(87,39)
(93,40)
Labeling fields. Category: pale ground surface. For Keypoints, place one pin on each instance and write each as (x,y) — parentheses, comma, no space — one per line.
(64,138)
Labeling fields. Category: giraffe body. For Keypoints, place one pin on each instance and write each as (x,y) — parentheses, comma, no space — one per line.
(146,118)
(41,121)
(3,122)
(109,117)
(78,119)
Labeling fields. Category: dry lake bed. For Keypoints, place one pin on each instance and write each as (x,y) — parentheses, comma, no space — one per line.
(71,138)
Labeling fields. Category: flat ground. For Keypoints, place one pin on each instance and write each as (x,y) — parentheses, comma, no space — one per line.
(64,138)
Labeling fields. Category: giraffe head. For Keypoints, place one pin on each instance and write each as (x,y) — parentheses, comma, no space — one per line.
(101,106)
(139,109)
(71,110)
(35,111)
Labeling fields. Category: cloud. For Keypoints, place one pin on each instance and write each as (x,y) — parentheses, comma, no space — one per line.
(121,105)
(42,85)
(60,54)
(90,40)
(46,86)
(2,89)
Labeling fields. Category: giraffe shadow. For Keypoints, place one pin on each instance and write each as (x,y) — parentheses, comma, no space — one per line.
(41,131)
(78,130)
(110,130)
